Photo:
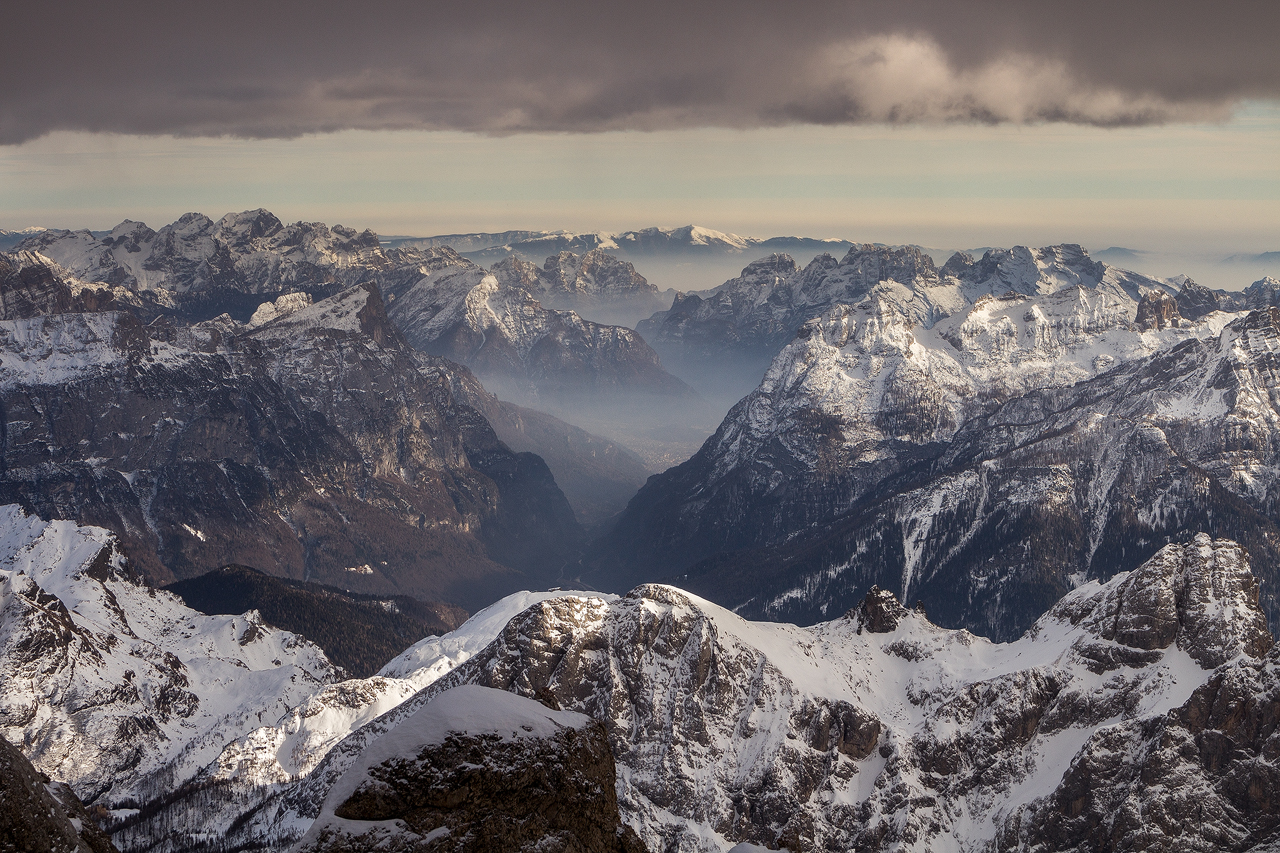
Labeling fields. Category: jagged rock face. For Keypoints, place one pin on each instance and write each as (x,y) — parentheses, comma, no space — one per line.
(501,332)
(37,816)
(32,285)
(754,316)
(116,688)
(1263,293)
(880,731)
(479,770)
(313,446)
(1196,300)
(210,265)
(595,285)
(827,480)
(1201,596)
(1157,310)
(1199,778)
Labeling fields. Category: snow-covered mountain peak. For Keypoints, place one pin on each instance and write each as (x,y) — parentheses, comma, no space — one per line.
(248,252)
(294,314)
(431,658)
(875,731)
(248,225)
(1201,597)
(102,674)
(282,307)
(698,236)
(130,229)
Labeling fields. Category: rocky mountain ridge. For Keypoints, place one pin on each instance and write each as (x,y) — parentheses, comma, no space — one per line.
(737,328)
(196,269)
(118,689)
(594,284)
(842,469)
(880,731)
(874,731)
(318,445)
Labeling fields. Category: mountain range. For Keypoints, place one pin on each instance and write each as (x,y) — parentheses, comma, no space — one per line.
(678,724)
(982,437)
(982,556)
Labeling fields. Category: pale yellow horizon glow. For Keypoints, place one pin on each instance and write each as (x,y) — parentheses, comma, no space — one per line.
(1193,188)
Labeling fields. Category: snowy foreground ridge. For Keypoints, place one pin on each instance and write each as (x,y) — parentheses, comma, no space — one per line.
(875,731)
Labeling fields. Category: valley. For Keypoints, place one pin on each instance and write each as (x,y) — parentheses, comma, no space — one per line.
(316,540)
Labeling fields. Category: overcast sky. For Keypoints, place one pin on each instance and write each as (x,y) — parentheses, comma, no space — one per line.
(932,121)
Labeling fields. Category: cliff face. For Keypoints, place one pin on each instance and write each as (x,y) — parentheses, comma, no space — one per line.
(879,731)
(39,816)
(503,333)
(315,446)
(479,770)
(977,465)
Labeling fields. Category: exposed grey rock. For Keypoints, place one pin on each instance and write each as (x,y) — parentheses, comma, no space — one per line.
(449,783)
(1157,310)
(1196,300)
(32,285)
(879,731)
(1200,778)
(852,467)
(311,446)
(39,816)
(117,688)
(1263,293)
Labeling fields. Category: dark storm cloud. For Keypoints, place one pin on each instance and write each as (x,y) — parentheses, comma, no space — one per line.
(269,69)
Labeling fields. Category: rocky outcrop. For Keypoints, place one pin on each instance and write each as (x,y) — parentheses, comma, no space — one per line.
(1196,301)
(31,286)
(479,770)
(879,731)
(39,816)
(1199,777)
(1157,310)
